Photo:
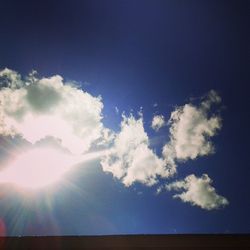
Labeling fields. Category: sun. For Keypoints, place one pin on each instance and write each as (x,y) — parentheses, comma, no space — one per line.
(37,168)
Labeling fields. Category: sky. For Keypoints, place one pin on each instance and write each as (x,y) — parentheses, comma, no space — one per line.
(124,117)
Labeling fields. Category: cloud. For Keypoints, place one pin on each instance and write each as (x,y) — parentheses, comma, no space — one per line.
(158,122)
(116,110)
(191,128)
(48,110)
(198,192)
(211,98)
(131,160)
(37,108)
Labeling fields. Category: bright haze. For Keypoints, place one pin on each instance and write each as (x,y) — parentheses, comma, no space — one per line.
(124,117)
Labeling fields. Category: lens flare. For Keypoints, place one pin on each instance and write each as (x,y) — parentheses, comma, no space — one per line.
(40,167)
(37,168)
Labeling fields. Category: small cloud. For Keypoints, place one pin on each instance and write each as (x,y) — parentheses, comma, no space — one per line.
(159,189)
(116,110)
(155,105)
(198,192)
(211,98)
(158,122)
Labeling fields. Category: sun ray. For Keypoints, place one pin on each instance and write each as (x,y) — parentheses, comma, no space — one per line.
(41,167)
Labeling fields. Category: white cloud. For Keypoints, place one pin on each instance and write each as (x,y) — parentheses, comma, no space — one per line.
(158,122)
(36,108)
(191,128)
(43,110)
(131,159)
(198,192)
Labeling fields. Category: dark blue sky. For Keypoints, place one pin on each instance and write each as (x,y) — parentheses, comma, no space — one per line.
(133,54)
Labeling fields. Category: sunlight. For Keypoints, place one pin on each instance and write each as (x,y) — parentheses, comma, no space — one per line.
(37,168)
(41,167)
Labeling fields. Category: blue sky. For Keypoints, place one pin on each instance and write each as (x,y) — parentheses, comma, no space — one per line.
(145,59)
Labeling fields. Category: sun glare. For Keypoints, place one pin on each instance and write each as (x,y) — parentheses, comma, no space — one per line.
(37,168)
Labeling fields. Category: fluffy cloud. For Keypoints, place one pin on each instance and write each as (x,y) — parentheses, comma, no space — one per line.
(158,122)
(37,108)
(191,128)
(49,110)
(198,192)
(131,159)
